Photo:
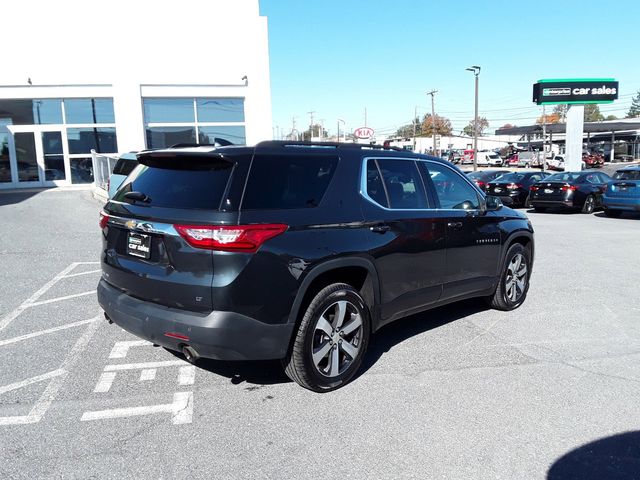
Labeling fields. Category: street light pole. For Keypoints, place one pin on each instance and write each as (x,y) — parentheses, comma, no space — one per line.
(476,72)
(343,123)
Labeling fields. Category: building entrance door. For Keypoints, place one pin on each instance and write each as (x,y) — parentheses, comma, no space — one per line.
(39,156)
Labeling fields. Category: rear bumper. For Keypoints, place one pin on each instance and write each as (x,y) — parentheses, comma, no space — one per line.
(217,335)
(553,203)
(630,204)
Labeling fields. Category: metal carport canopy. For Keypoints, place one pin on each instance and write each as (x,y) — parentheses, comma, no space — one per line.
(589,127)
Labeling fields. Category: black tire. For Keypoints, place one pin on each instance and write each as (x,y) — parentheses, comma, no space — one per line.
(589,204)
(540,209)
(501,299)
(610,212)
(527,202)
(299,365)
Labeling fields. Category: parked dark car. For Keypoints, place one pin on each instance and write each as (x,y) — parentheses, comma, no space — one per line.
(575,190)
(300,251)
(482,177)
(622,193)
(513,188)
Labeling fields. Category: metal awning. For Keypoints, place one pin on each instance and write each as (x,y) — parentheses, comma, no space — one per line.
(589,127)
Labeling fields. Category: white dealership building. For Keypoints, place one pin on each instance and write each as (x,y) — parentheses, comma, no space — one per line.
(124,76)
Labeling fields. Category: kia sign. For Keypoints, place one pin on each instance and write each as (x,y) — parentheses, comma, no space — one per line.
(575,91)
(363,132)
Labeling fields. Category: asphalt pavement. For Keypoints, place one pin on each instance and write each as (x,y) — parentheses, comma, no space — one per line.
(459,392)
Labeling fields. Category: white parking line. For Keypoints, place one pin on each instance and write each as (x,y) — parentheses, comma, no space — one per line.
(144,365)
(27,336)
(105,382)
(181,410)
(46,399)
(11,316)
(187,375)
(120,349)
(82,273)
(52,300)
(146,374)
(31,381)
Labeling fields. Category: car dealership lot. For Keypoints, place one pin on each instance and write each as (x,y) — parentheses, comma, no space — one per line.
(458,392)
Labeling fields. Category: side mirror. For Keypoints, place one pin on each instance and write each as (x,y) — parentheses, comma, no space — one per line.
(493,203)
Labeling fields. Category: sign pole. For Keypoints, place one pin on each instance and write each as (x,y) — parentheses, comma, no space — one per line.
(573,142)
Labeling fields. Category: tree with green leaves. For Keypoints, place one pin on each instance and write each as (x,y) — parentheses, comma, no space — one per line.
(634,110)
(592,113)
(611,117)
(483,124)
(561,111)
(408,130)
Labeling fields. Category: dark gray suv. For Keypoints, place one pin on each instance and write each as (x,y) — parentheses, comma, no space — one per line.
(299,251)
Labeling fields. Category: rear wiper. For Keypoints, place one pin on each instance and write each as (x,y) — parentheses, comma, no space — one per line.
(137,197)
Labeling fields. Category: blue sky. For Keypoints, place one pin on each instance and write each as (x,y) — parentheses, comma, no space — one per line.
(337,57)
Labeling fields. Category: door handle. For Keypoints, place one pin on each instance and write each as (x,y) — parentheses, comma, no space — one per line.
(380,228)
(454,225)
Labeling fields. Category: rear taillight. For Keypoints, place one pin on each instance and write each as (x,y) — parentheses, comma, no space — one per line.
(236,238)
(534,188)
(104,218)
(569,188)
(480,183)
(514,186)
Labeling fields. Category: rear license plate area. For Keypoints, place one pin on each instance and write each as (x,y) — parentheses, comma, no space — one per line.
(139,245)
(548,190)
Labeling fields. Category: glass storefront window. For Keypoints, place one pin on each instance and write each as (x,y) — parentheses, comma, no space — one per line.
(162,137)
(26,157)
(89,110)
(81,170)
(168,110)
(5,166)
(83,140)
(220,109)
(32,111)
(233,134)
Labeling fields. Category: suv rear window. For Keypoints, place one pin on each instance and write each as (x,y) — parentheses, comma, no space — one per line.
(124,166)
(283,182)
(181,182)
(627,175)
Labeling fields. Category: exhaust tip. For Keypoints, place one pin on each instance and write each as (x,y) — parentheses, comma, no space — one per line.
(190,354)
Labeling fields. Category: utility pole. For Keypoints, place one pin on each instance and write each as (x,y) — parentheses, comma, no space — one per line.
(293,128)
(433,119)
(311,126)
(415,115)
(321,133)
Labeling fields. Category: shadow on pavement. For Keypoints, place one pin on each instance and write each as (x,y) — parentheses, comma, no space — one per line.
(397,332)
(625,215)
(271,372)
(610,458)
(12,197)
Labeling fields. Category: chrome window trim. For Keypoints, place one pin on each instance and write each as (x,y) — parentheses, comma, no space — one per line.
(365,195)
(143,226)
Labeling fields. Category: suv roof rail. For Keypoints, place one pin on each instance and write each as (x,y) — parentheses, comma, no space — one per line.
(284,143)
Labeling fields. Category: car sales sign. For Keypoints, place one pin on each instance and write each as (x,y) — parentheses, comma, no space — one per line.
(363,132)
(575,91)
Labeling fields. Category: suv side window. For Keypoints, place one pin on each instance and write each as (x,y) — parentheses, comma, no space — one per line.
(283,182)
(401,183)
(452,190)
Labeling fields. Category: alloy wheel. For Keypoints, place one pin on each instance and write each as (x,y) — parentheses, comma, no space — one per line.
(516,278)
(337,338)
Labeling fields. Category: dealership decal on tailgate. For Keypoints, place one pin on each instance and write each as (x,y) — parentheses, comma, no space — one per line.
(138,245)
